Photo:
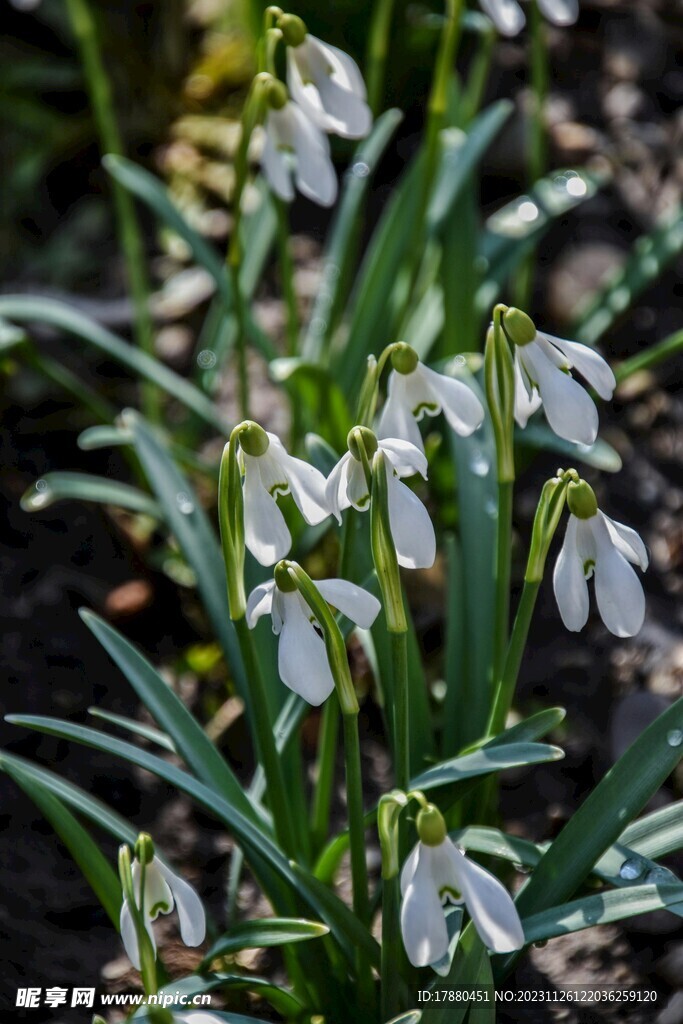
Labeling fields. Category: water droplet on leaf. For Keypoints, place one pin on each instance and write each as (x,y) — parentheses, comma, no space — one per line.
(184,503)
(631,869)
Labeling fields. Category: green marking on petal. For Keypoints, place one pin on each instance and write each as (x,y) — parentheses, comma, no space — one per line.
(162,907)
(588,567)
(278,489)
(429,406)
(451,893)
(362,502)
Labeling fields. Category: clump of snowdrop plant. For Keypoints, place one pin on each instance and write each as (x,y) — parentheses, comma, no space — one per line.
(391,480)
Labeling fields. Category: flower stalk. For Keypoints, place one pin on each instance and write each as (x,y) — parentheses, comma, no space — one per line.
(388,817)
(148,969)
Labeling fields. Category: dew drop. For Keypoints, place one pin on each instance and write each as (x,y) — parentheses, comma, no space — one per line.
(41,496)
(657,875)
(206,359)
(184,503)
(675,737)
(332,271)
(491,508)
(528,211)
(41,485)
(522,869)
(318,325)
(576,187)
(360,169)
(479,464)
(459,361)
(631,869)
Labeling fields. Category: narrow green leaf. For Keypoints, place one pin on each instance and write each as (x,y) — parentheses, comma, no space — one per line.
(600,455)
(146,732)
(650,256)
(529,729)
(266,932)
(93,438)
(95,868)
(484,761)
(54,487)
(602,817)
(602,908)
(658,833)
(38,309)
(188,738)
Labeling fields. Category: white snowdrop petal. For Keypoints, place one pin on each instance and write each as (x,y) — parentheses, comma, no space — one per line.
(307,486)
(409,867)
(158,894)
(347,115)
(265,531)
(627,541)
(411,528)
(344,68)
(589,363)
(397,420)
(191,916)
(129,936)
(618,591)
(260,602)
(354,602)
(406,458)
(302,658)
(463,411)
(527,398)
(276,162)
(414,390)
(506,15)
(336,497)
(569,583)
(488,902)
(314,172)
(356,485)
(569,409)
(423,925)
(559,12)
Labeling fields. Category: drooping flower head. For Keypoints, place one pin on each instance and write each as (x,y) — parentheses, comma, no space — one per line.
(303,664)
(437,873)
(294,147)
(348,485)
(414,390)
(157,890)
(508,16)
(269,471)
(542,377)
(325,82)
(595,545)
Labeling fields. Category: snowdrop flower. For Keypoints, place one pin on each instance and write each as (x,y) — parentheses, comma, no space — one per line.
(295,146)
(414,390)
(270,471)
(325,82)
(542,377)
(303,665)
(162,891)
(595,545)
(411,528)
(508,16)
(436,873)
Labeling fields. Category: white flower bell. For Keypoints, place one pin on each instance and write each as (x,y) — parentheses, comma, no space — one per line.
(411,528)
(414,389)
(508,16)
(436,873)
(325,82)
(163,890)
(594,545)
(303,665)
(295,146)
(270,471)
(542,377)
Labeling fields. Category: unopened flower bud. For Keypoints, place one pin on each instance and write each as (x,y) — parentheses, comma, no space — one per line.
(519,327)
(404,358)
(364,436)
(293,29)
(581,500)
(431,826)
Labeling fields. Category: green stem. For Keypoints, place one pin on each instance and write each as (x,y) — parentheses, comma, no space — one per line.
(399,664)
(130,238)
(265,742)
(287,275)
(505,688)
(240,340)
(392,954)
(327,751)
(378,49)
(359,873)
(502,606)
